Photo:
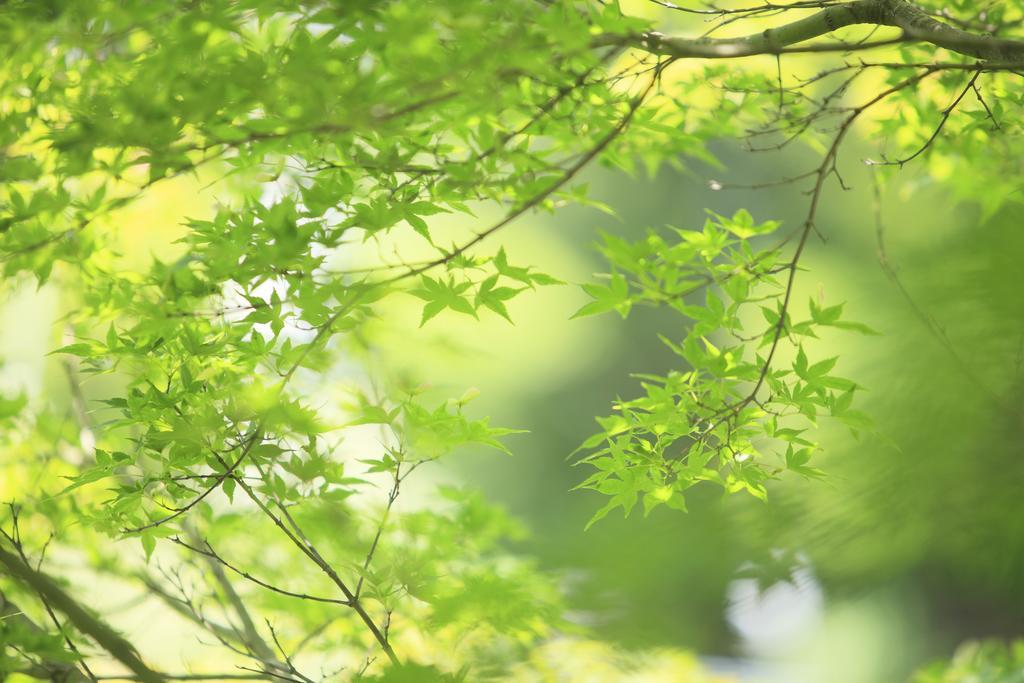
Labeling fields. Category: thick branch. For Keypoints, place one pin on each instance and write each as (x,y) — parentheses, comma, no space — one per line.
(920,26)
(63,670)
(917,26)
(119,648)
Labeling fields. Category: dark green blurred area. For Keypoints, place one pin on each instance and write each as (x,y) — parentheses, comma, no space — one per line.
(921,524)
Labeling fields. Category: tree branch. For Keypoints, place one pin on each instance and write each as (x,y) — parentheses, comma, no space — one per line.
(916,24)
(47,589)
(67,672)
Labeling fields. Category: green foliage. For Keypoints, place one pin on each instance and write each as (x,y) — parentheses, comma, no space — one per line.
(347,145)
(31,643)
(984,662)
(709,421)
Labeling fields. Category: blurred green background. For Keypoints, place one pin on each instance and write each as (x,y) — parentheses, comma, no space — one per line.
(913,543)
(916,536)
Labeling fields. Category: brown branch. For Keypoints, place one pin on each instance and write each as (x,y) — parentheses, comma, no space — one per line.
(219,560)
(540,197)
(915,25)
(311,552)
(946,113)
(825,170)
(229,470)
